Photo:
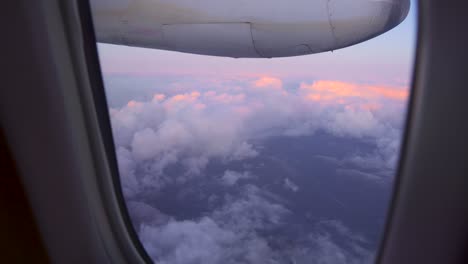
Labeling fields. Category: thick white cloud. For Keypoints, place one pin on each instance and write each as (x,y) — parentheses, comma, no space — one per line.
(127,166)
(355,123)
(193,128)
(187,242)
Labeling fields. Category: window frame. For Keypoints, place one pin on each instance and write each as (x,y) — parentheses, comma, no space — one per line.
(86,220)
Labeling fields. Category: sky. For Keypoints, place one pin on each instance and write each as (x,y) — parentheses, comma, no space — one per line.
(283,160)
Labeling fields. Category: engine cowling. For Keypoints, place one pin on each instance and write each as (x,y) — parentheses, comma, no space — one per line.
(245,28)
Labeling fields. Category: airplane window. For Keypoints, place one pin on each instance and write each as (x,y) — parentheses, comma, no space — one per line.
(257,131)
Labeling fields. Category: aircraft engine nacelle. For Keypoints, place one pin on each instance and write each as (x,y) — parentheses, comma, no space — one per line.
(245,28)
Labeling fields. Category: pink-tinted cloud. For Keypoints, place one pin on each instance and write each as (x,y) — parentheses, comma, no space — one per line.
(269,83)
(134,103)
(336,91)
(182,98)
(194,126)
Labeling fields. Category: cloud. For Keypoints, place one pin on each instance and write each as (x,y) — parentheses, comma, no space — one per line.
(167,141)
(253,211)
(193,128)
(359,174)
(336,90)
(127,166)
(143,213)
(230,178)
(269,83)
(186,242)
(228,234)
(235,233)
(355,123)
(290,185)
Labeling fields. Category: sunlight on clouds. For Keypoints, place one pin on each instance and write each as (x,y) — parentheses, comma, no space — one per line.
(133,103)
(159,97)
(336,91)
(269,83)
(195,127)
(173,136)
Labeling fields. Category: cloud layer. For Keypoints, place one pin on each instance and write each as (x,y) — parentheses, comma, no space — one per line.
(170,140)
(235,233)
(196,127)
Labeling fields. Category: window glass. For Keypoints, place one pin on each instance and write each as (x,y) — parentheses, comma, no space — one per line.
(286,154)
